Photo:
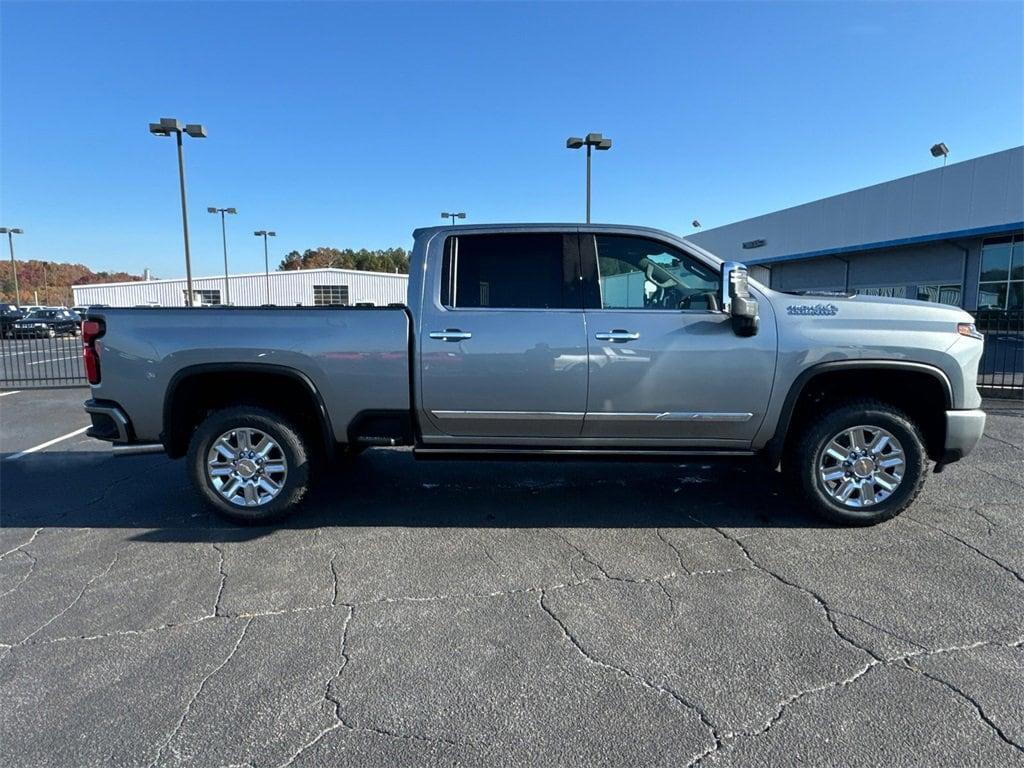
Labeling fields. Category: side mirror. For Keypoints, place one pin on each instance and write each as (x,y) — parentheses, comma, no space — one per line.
(736,299)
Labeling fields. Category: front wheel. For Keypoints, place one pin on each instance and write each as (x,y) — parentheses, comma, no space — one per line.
(861,463)
(249,464)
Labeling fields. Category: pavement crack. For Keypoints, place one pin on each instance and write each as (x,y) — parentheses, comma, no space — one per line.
(818,599)
(679,555)
(1004,442)
(223,579)
(199,692)
(793,698)
(998,477)
(691,706)
(1016,574)
(81,593)
(883,630)
(31,568)
(334,574)
(970,700)
(23,544)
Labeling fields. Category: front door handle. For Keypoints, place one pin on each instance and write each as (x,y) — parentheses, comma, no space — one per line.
(617,335)
(451,334)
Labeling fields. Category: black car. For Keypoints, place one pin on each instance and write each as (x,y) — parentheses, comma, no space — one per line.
(9,315)
(46,323)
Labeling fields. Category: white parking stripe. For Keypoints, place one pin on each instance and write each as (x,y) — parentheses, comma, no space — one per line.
(47,444)
(55,359)
(12,392)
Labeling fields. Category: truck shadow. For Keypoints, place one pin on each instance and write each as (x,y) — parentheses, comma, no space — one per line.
(390,488)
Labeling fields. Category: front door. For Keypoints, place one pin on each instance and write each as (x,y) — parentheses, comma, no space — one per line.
(503,348)
(664,363)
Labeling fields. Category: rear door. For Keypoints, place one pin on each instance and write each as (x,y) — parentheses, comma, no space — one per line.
(664,363)
(503,347)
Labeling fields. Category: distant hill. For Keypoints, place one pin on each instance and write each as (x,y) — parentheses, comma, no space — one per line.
(51,281)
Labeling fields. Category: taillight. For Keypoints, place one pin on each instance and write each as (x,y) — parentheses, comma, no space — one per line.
(91,330)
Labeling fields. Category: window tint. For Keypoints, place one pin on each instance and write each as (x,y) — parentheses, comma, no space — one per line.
(505,271)
(636,273)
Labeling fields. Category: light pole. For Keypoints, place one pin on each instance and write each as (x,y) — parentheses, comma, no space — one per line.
(266,258)
(940,150)
(11,232)
(224,237)
(453,216)
(166,127)
(593,141)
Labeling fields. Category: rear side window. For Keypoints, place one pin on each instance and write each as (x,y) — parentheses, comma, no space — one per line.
(514,271)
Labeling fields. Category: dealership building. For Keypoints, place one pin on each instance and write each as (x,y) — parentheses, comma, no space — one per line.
(954,234)
(306,287)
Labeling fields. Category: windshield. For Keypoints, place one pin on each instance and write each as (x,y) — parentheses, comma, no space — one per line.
(46,314)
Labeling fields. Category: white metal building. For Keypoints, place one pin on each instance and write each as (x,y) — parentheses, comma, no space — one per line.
(308,287)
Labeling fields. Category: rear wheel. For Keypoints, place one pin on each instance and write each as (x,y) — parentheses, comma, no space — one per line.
(861,463)
(249,464)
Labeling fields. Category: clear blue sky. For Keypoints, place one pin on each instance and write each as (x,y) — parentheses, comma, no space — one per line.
(349,125)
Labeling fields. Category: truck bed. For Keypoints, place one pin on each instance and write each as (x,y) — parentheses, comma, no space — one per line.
(357,358)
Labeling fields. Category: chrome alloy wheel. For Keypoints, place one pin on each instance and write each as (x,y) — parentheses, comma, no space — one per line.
(861,466)
(247,467)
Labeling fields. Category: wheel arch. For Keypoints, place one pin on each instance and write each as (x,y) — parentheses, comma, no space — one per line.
(181,414)
(848,371)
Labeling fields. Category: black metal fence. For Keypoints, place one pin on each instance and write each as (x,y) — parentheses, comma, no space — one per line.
(1001,373)
(41,362)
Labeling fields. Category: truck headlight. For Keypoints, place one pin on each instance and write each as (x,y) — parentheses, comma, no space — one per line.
(968,329)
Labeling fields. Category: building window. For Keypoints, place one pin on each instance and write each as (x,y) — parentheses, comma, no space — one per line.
(206,298)
(330,295)
(1001,285)
(886,291)
(940,294)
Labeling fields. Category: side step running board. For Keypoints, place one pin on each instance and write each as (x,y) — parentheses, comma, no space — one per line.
(572,454)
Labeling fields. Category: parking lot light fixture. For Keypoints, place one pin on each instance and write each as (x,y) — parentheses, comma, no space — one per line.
(453,216)
(224,237)
(940,150)
(166,127)
(11,232)
(592,141)
(266,258)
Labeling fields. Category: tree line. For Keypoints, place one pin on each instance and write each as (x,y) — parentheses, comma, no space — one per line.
(51,281)
(386,260)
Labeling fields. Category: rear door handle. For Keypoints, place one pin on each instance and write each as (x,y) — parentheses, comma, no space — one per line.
(451,334)
(617,335)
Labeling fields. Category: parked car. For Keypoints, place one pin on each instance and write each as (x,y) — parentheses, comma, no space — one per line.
(9,315)
(550,342)
(46,323)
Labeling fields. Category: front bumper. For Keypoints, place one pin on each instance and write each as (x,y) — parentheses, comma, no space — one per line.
(963,431)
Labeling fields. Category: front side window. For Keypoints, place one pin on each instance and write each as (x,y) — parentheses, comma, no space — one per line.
(637,273)
(509,271)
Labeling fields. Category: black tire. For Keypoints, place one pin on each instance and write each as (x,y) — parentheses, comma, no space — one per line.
(292,445)
(869,413)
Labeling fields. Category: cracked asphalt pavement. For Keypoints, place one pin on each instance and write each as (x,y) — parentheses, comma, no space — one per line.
(467,614)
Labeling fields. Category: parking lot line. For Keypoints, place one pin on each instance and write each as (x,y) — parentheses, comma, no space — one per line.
(55,359)
(47,444)
(12,392)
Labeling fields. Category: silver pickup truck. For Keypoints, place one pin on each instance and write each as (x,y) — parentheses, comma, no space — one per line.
(551,341)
